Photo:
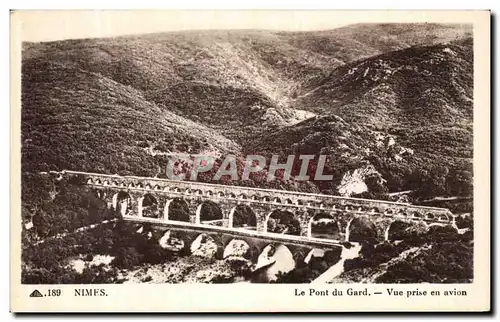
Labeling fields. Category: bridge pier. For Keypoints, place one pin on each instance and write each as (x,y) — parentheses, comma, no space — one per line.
(261,221)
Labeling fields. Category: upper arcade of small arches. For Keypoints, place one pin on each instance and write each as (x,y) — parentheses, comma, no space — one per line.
(268,196)
(287,201)
(117,183)
(401,214)
(389,212)
(416,215)
(430,216)
(444,218)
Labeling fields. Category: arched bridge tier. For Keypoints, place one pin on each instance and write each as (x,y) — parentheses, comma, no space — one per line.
(241,233)
(161,199)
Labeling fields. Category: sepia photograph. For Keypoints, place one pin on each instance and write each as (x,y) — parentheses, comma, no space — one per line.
(162,153)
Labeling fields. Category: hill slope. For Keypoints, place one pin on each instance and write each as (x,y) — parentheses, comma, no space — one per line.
(244,77)
(77,119)
(120,105)
(390,105)
(408,113)
(401,87)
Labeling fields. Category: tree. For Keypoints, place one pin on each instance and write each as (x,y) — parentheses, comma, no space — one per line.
(127,257)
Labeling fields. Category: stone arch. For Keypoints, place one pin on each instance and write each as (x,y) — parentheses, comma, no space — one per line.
(439,230)
(105,183)
(323,225)
(148,206)
(435,224)
(209,213)
(236,248)
(198,192)
(176,190)
(97,181)
(122,203)
(299,202)
(188,192)
(314,252)
(288,201)
(417,229)
(397,230)
(442,231)
(255,197)
(131,185)
(139,186)
(266,199)
(444,218)
(243,196)
(429,216)
(204,245)
(178,210)
(389,212)
(375,210)
(401,214)
(220,194)
(157,188)
(276,200)
(147,186)
(99,193)
(282,222)
(242,216)
(89,181)
(276,258)
(209,193)
(169,239)
(416,215)
(361,228)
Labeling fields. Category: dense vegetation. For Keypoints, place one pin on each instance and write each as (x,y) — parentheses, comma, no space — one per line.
(49,262)
(439,255)
(364,97)
(307,272)
(231,93)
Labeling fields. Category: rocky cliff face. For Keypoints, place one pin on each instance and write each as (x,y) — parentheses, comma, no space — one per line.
(239,92)
(355,183)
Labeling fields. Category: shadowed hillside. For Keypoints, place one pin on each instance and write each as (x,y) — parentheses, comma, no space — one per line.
(401,87)
(389,105)
(238,75)
(408,113)
(120,105)
(73,118)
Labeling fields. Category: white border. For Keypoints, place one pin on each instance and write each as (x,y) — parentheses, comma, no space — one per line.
(4,137)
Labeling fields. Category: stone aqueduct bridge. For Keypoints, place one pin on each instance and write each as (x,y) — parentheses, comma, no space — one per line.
(304,206)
